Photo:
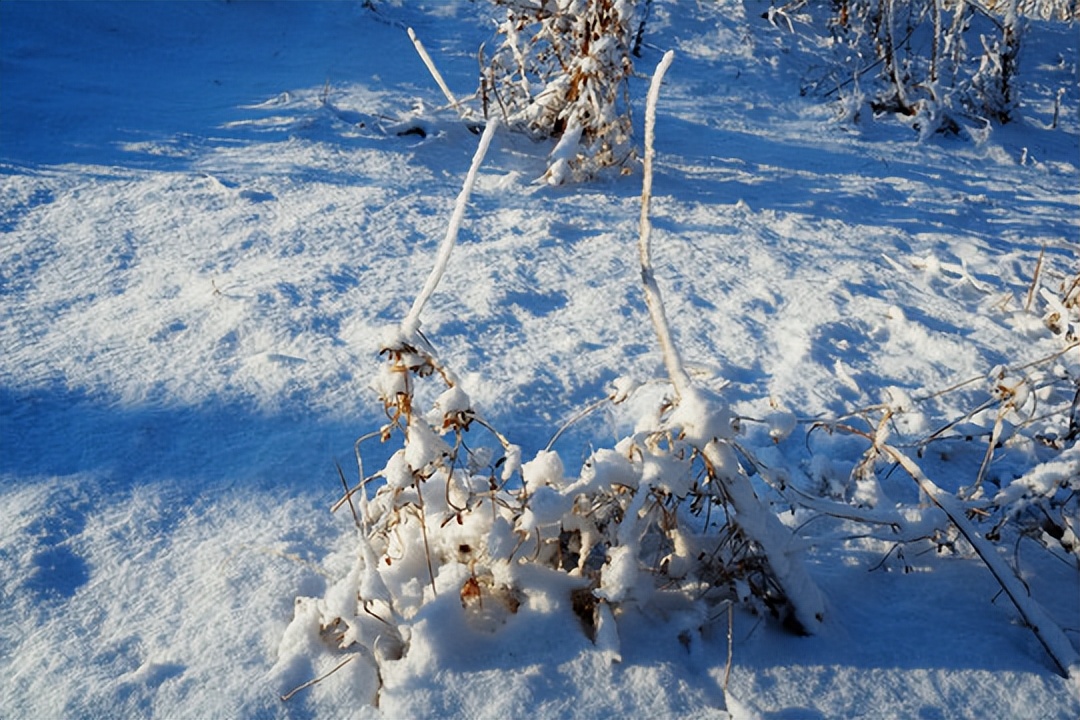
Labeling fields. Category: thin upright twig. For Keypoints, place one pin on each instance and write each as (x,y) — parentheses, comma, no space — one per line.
(1034,281)
(754,516)
(423,53)
(348,494)
(730,644)
(411,324)
(679,379)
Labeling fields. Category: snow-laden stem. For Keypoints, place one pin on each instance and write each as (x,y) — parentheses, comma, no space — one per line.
(775,539)
(1048,632)
(411,324)
(705,423)
(654,301)
(423,53)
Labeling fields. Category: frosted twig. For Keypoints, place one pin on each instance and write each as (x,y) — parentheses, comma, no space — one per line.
(348,495)
(422,51)
(1053,639)
(360,489)
(420,514)
(995,435)
(673,362)
(1034,281)
(411,324)
(730,644)
(362,478)
(705,423)
(577,417)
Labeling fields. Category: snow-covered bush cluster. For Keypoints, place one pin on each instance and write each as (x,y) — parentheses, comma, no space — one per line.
(455,522)
(1022,431)
(458,525)
(1034,411)
(559,70)
(1030,411)
(1042,9)
(666,520)
(940,65)
(935,58)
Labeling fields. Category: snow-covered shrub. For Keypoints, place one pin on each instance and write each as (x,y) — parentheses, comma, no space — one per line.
(936,57)
(933,63)
(1035,409)
(1024,422)
(1042,503)
(650,515)
(1043,9)
(1039,408)
(457,524)
(560,70)
(456,527)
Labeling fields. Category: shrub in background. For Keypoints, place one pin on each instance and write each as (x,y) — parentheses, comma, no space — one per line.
(560,70)
(936,63)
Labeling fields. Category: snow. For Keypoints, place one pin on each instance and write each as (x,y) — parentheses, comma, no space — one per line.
(210,226)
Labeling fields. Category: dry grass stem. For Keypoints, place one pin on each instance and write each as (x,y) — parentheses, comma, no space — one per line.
(289,695)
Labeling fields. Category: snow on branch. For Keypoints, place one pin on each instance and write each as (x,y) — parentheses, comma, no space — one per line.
(437,76)
(705,423)
(411,324)
(1048,632)
(653,299)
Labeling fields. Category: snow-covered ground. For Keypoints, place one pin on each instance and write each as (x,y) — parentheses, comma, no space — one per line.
(207,218)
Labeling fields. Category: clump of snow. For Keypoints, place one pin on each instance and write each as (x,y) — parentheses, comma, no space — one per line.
(605,471)
(702,417)
(566,150)
(546,508)
(781,424)
(546,469)
(619,576)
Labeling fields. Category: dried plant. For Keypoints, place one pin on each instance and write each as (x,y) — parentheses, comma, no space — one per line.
(941,65)
(560,70)
(668,511)
(1031,409)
